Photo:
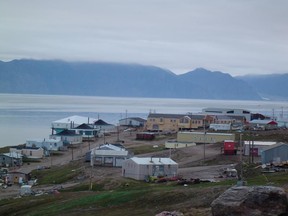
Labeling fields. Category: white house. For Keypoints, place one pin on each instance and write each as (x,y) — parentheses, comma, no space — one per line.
(88,132)
(132,122)
(55,144)
(29,152)
(104,127)
(141,168)
(71,122)
(68,137)
(109,155)
(264,124)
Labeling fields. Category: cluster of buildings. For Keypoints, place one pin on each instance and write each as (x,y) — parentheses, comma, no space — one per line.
(210,126)
(217,119)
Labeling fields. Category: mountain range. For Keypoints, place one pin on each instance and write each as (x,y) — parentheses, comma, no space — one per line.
(134,80)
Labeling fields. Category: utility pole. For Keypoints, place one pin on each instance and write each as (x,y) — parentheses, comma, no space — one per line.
(204,137)
(241,158)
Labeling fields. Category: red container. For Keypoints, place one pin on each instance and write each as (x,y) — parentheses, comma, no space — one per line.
(229,145)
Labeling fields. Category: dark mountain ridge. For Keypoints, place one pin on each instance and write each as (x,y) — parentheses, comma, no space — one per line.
(119,80)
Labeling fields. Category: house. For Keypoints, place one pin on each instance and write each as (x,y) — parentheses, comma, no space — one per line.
(228,111)
(256,147)
(109,155)
(11,159)
(29,152)
(142,168)
(132,122)
(176,122)
(275,154)
(15,177)
(88,132)
(188,122)
(163,122)
(229,119)
(104,127)
(68,136)
(70,122)
(220,127)
(266,124)
(203,137)
(55,144)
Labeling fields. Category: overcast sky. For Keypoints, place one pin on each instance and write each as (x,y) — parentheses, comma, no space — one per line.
(232,36)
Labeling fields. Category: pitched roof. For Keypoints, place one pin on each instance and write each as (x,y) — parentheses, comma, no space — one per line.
(135,118)
(264,121)
(67,133)
(84,126)
(100,122)
(13,154)
(111,147)
(275,146)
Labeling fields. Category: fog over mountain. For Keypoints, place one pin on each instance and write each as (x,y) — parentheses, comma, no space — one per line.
(129,80)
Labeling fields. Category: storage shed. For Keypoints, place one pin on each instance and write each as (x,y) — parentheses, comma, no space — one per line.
(275,154)
(141,168)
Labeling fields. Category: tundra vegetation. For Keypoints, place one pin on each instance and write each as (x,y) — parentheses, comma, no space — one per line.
(122,196)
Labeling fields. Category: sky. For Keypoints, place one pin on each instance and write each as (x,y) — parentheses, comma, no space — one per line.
(238,37)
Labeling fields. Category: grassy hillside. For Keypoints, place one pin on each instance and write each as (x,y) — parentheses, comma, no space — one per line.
(113,197)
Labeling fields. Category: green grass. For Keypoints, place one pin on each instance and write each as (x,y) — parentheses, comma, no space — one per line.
(130,197)
(276,179)
(57,175)
(143,149)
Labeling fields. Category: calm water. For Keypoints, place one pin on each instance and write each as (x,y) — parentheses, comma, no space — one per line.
(24,117)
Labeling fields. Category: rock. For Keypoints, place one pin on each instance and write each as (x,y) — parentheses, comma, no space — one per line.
(252,201)
(167,213)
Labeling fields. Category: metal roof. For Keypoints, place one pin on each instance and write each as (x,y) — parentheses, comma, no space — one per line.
(153,160)
(134,118)
(276,146)
(264,121)
(163,115)
(76,120)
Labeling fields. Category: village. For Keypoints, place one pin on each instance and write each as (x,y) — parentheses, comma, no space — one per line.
(96,143)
